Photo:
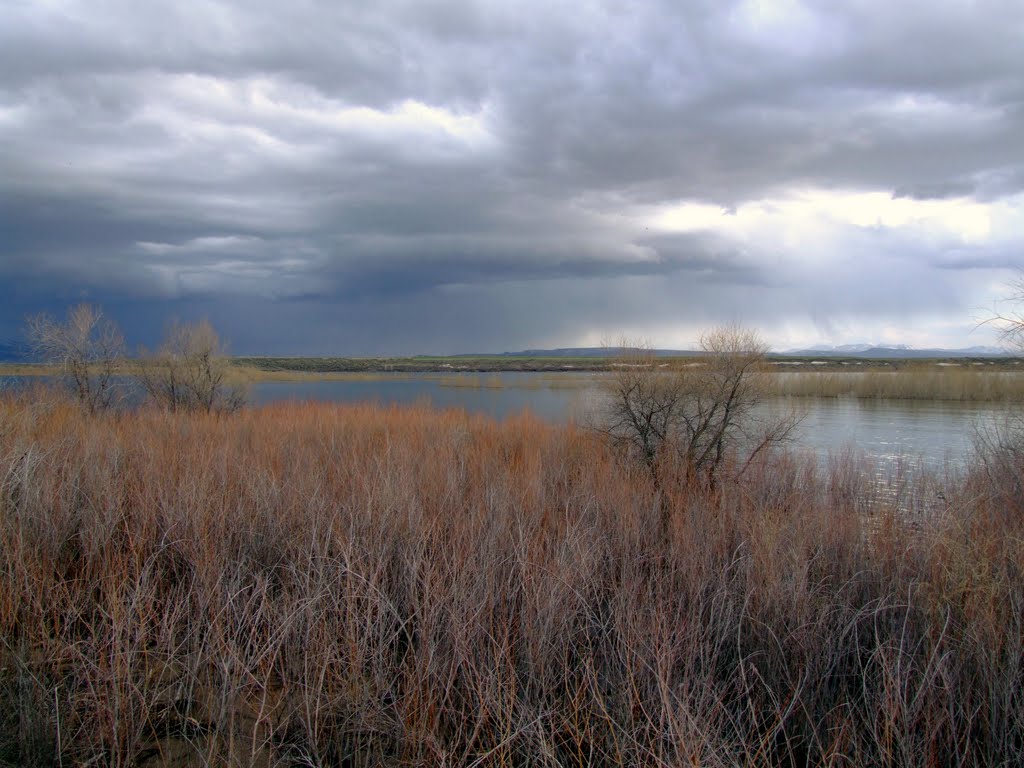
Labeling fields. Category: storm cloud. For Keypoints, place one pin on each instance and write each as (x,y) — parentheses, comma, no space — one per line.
(406,177)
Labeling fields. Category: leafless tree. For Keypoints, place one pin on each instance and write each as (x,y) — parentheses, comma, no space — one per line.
(999,446)
(694,413)
(87,347)
(1010,323)
(189,372)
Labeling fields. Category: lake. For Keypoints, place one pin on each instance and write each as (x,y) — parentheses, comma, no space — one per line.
(935,434)
(892,433)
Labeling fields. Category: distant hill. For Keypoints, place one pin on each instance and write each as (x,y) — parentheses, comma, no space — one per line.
(895,352)
(588,352)
(899,352)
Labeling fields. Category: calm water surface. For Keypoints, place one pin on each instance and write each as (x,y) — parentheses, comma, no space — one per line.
(893,432)
(934,434)
(552,397)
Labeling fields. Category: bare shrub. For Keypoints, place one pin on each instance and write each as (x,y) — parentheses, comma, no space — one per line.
(87,347)
(999,460)
(1000,447)
(694,413)
(348,585)
(1010,322)
(190,370)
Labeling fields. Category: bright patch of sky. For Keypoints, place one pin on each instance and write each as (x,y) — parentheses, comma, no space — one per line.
(810,213)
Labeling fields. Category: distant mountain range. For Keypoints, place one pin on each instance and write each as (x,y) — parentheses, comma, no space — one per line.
(583,352)
(897,351)
(17,352)
(847,350)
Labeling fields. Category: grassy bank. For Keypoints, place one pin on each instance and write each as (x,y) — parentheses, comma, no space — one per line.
(27,369)
(322,585)
(421,364)
(966,381)
(499,363)
(960,384)
(963,384)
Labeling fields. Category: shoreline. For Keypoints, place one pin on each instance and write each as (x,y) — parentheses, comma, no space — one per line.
(276,368)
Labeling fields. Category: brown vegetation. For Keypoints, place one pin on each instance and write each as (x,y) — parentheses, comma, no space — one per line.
(321,585)
(959,384)
(687,419)
(86,348)
(190,371)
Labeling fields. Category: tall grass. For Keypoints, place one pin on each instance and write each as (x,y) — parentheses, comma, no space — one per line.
(960,384)
(324,585)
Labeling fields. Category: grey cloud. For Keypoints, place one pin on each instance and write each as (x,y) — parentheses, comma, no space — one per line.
(260,157)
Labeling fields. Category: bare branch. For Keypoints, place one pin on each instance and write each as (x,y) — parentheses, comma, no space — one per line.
(1010,324)
(87,347)
(696,412)
(190,371)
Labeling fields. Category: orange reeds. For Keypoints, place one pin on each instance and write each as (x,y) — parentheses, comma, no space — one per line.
(353,585)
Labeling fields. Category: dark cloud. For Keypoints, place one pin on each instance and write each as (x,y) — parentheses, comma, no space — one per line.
(410,176)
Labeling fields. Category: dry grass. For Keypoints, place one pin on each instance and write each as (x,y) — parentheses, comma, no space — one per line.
(962,383)
(28,369)
(967,384)
(319,585)
(247,374)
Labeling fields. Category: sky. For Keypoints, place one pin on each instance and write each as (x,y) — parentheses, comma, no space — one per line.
(426,176)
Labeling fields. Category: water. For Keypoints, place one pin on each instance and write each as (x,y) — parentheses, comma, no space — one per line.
(501,395)
(937,434)
(932,434)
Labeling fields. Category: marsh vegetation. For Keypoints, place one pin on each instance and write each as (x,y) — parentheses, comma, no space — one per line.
(189,371)
(190,583)
(950,383)
(319,585)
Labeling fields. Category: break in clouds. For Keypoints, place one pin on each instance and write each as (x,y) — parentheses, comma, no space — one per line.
(403,177)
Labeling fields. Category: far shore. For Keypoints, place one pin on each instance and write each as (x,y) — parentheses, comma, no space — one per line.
(347,368)
(951,379)
(511,363)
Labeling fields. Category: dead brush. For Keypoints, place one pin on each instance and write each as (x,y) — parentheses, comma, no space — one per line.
(352,585)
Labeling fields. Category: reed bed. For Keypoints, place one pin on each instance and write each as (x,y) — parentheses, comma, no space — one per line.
(965,384)
(475,381)
(322,585)
(534,381)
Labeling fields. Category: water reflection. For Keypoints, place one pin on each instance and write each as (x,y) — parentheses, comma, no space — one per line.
(938,433)
(898,433)
(895,433)
(497,395)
